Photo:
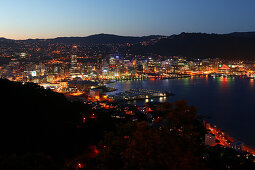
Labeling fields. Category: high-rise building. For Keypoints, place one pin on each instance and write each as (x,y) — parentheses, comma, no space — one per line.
(74,72)
(112,61)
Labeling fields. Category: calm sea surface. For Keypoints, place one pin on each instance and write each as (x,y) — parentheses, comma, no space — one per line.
(229,102)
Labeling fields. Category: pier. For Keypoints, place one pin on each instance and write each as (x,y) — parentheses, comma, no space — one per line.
(139,94)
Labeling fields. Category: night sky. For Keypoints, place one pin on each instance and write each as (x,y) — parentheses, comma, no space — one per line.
(22,19)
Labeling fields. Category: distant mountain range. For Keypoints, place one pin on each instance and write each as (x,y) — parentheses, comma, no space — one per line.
(237,44)
(243,34)
(4,39)
(233,45)
(96,39)
(104,39)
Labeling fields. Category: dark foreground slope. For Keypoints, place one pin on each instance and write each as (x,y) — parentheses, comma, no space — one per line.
(173,140)
(36,125)
(40,129)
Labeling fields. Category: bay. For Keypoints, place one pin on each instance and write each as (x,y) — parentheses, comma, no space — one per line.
(229,102)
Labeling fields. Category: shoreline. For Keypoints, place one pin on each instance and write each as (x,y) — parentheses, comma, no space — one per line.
(247,136)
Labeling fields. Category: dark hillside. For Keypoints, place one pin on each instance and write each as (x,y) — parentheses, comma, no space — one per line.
(225,46)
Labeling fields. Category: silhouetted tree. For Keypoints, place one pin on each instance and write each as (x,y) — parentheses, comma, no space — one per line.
(168,144)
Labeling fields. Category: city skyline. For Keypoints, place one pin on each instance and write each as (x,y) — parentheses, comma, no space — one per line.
(50,19)
(127,84)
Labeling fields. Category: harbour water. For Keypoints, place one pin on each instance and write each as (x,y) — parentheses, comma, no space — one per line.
(228,102)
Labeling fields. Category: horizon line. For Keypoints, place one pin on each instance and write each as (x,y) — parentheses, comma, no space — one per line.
(121,35)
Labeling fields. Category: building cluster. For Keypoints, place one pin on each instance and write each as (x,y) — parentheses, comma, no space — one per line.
(54,65)
(74,69)
(215,136)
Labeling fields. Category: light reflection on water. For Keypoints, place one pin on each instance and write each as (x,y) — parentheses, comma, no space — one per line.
(228,102)
(252,82)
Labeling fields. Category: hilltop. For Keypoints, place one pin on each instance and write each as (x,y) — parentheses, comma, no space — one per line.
(227,46)
(233,45)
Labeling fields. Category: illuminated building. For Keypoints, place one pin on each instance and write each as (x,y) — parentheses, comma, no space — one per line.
(96,93)
(112,61)
(224,69)
(80,85)
(151,65)
(139,68)
(23,55)
(73,69)
(33,73)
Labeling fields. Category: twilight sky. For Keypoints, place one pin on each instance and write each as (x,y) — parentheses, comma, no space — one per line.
(22,19)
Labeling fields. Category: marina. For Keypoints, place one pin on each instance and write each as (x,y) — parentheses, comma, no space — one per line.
(139,94)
